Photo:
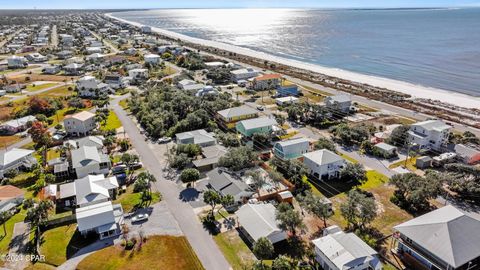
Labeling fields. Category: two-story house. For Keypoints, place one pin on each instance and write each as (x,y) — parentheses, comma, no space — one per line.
(430,134)
(323,164)
(80,124)
(89,160)
(260,125)
(229,117)
(444,239)
(266,82)
(291,149)
(340,103)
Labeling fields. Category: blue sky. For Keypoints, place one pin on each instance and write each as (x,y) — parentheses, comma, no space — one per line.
(84,4)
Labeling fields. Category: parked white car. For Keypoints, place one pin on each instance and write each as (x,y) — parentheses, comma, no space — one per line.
(139,217)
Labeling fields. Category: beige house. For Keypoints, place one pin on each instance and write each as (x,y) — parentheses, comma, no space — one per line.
(80,124)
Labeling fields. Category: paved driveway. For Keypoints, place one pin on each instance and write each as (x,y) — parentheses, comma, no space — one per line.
(160,221)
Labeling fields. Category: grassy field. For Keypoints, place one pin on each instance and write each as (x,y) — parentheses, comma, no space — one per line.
(159,252)
(54,244)
(112,122)
(61,91)
(234,249)
(129,200)
(5,239)
(52,153)
(123,103)
(37,87)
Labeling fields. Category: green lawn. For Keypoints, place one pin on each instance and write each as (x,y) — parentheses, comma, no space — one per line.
(374,180)
(234,249)
(37,87)
(411,164)
(159,252)
(123,103)
(5,239)
(52,153)
(349,158)
(129,200)
(112,122)
(54,244)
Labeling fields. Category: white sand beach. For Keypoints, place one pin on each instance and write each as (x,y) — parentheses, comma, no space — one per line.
(417,91)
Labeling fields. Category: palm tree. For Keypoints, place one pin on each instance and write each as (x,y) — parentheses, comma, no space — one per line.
(4,217)
(149,178)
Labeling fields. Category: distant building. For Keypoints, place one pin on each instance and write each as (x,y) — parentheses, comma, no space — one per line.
(266,82)
(89,86)
(386,149)
(248,128)
(186,84)
(323,164)
(287,90)
(444,239)
(152,59)
(16,159)
(51,69)
(36,57)
(80,124)
(283,101)
(229,117)
(138,75)
(338,250)
(340,103)
(146,29)
(243,74)
(291,149)
(200,137)
(16,125)
(257,221)
(73,69)
(430,134)
(17,62)
(468,154)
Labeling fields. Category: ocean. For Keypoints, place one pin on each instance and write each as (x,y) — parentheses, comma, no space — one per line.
(437,48)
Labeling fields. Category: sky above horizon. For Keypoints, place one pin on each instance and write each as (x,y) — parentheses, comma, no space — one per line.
(141,4)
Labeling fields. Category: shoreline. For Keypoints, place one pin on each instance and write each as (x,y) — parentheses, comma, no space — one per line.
(413,90)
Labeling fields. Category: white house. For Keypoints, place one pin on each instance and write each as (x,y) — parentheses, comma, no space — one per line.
(89,160)
(17,62)
(323,164)
(96,141)
(282,101)
(89,86)
(430,134)
(138,74)
(51,69)
(95,57)
(258,220)
(243,74)
(153,59)
(186,84)
(16,125)
(291,149)
(36,57)
(338,250)
(339,102)
(199,136)
(80,124)
(15,159)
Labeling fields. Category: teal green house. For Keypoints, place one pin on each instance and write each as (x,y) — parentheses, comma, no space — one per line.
(256,125)
(291,149)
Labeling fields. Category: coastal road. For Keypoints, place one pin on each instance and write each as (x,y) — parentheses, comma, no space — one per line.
(200,240)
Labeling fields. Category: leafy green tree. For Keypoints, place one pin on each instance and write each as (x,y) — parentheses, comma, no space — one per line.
(263,249)
(190,175)
(213,198)
(140,185)
(359,210)
(324,143)
(258,179)
(353,172)
(288,218)
(192,150)
(148,178)
(399,136)
(413,192)
(281,263)
(4,217)
(238,158)
(39,214)
(229,139)
(316,206)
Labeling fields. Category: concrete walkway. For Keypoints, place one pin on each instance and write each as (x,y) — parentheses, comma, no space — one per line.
(18,246)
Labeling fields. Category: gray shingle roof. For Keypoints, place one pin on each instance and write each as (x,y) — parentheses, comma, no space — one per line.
(448,233)
(226,184)
(237,111)
(258,122)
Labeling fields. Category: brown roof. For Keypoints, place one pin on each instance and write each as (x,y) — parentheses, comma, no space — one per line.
(9,192)
(268,77)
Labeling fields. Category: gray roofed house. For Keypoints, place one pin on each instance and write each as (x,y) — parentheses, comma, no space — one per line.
(226,184)
(291,149)
(256,125)
(199,136)
(468,154)
(446,238)
(15,158)
(237,113)
(94,188)
(258,220)
(103,218)
(96,141)
(89,160)
(16,125)
(211,156)
(339,250)
(339,102)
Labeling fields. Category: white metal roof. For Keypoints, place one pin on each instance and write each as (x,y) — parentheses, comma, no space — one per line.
(94,216)
(237,111)
(258,220)
(323,156)
(13,155)
(258,122)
